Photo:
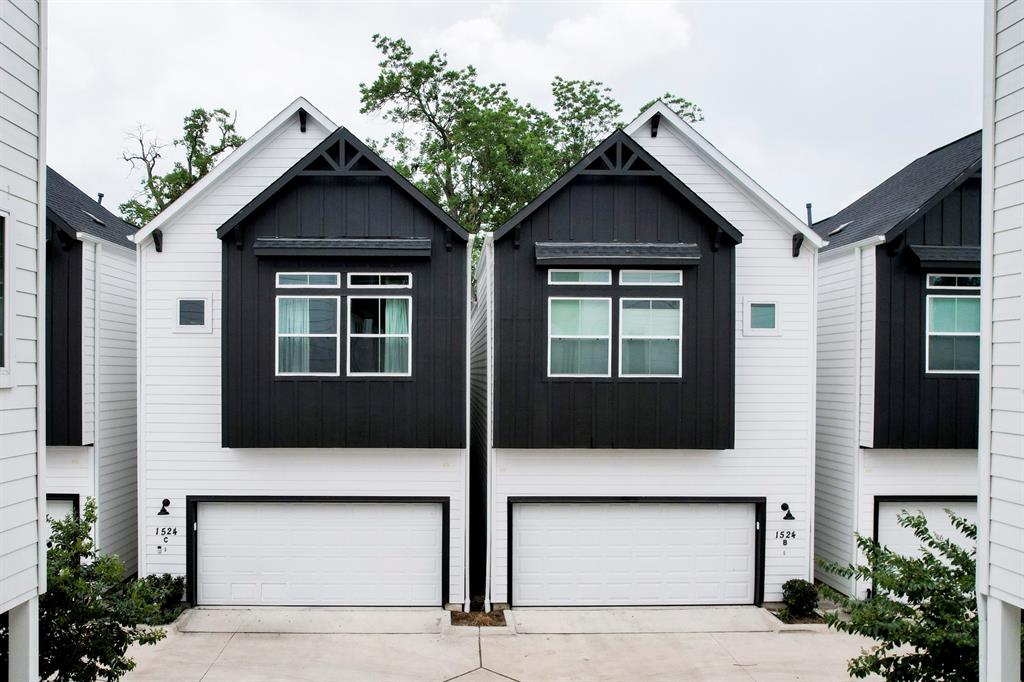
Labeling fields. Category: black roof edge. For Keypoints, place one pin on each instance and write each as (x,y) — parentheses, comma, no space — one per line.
(948,189)
(667,175)
(61,223)
(346,135)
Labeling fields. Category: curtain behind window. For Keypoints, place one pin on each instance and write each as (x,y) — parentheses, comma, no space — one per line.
(396,321)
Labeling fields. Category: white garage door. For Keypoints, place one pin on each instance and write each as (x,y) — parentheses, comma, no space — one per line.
(632,554)
(319,553)
(59,508)
(902,540)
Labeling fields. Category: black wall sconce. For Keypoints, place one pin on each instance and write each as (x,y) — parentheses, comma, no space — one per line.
(163,510)
(789,515)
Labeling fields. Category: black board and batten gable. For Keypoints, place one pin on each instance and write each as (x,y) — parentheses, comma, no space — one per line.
(69,212)
(617,209)
(930,215)
(342,209)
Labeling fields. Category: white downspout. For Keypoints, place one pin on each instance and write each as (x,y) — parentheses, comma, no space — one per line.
(97,255)
(42,526)
(813,449)
(491,266)
(466,506)
(858,341)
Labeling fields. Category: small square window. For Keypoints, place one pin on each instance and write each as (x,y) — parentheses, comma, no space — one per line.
(761,318)
(192,315)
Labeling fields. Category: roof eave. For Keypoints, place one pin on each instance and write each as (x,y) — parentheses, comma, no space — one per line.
(717,159)
(933,201)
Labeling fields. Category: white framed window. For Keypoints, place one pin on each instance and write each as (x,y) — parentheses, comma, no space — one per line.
(380,280)
(650,337)
(6,299)
(761,318)
(559,276)
(940,281)
(953,334)
(579,337)
(380,336)
(651,278)
(309,280)
(307,338)
(192,315)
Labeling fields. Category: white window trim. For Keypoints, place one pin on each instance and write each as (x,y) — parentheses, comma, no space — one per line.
(336,285)
(336,335)
(380,286)
(10,361)
(955,287)
(581,336)
(349,336)
(580,284)
(928,334)
(650,284)
(623,337)
(748,330)
(206,327)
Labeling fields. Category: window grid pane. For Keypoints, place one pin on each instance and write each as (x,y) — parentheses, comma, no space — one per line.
(954,326)
(380,336)
(307,335)
(651,337)
(579,276)
(651,277)
(579,342)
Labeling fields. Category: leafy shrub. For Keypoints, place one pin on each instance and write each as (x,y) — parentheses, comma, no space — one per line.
(165,591)
(923,611)
(88,616)
(800,597)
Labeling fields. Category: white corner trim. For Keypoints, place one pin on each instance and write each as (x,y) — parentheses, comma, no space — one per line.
(727,167)
(254,142)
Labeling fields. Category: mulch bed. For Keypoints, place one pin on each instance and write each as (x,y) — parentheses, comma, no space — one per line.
(477,619)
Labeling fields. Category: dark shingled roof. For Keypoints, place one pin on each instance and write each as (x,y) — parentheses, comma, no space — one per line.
(78,210)
(896,201)
(615,252)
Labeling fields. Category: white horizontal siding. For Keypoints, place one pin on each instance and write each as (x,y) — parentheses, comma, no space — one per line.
(835,466)
(868,299)
(88,342)
(117,491)
(70,469)
(1005,261)
(180,413)
(20,150)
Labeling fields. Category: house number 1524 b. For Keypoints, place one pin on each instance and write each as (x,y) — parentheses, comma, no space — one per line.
(785,536)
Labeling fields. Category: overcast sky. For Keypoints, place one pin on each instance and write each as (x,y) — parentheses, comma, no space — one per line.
(817,101)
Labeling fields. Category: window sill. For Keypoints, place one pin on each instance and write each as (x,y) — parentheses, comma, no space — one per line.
(616,380)
(343,378)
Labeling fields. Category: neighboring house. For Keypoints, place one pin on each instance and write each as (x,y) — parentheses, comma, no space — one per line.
(22,328)
(303,432)
(90,365)
(1001,447)
(898,325)
(647,392)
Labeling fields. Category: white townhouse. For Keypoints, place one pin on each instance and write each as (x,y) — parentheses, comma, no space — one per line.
(1001,445)
(22,327)
(90,365)
(303,421)
(898,356)
(643,383)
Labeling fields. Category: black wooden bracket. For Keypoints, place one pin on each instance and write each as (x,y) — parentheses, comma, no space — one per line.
(798,241)
(716,244)
(302,120)
(158,240)
(515,237)
(896,244)
(65,239)
(447,240)
(238,240)
(655,120)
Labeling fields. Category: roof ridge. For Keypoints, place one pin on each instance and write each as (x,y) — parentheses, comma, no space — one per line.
(950,144)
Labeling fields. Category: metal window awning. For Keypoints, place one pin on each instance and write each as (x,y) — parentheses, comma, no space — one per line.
(617,253)
(947,257)
(408,247)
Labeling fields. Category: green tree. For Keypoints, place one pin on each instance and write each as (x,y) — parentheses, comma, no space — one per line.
(923,610)
(478,152)
(206,137)
(89,615)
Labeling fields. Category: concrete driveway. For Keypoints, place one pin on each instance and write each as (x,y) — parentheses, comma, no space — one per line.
(658,644)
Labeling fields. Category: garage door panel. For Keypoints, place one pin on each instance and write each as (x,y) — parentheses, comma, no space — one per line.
(319,553)
(656,553)
(903,540)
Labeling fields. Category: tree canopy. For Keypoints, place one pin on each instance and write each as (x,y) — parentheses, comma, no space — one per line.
(471,146)
(206,136)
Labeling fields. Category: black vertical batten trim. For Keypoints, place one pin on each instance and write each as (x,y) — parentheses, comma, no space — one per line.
(192,503)
(73,498)
(63,347)
(760,532)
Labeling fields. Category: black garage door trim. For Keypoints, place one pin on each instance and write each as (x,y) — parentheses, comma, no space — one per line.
(759,529)
(881,499)
(73,498)
(192,503)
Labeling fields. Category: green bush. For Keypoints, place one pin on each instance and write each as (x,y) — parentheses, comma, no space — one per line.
(165,591)
(800,597)
(89,615)
(923,610)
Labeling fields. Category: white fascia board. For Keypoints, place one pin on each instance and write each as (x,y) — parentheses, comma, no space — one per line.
(233,159)
(873,240)
(724,165)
